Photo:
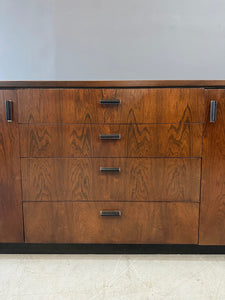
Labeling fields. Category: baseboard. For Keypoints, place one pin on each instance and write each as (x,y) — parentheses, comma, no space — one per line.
(11,248)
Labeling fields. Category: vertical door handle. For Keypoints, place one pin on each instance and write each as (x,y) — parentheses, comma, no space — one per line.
(8,110)
(213,109)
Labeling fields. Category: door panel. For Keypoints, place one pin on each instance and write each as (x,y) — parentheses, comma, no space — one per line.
(11,224)
(212,212)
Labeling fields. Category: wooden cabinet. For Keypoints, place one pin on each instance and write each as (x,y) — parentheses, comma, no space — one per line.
(212,220)
(11,222)
(113,162)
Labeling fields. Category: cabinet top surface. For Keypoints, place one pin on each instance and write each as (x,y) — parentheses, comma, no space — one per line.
(113,84)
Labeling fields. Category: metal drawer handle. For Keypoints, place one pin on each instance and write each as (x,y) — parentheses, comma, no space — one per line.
(8,110)
(110,136)
(110,102)
(213,110)
(113,213)
(110,169)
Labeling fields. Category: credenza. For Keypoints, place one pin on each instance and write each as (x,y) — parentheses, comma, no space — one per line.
(112,162)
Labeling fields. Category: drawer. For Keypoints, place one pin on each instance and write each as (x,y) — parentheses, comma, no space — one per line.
(169,105)
(147,223)
(135,140)
(132,179)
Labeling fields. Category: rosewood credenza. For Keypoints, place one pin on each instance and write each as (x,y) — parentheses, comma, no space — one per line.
(112,162)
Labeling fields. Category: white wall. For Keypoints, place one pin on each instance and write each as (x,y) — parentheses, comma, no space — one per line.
(109,40)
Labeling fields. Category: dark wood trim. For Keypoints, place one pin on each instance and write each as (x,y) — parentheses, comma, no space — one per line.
(108,249)
(113,84)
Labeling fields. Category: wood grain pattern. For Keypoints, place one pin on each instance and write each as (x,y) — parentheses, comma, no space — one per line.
(80,179)
(167,140)
(172,223)
(137,106)
(212,221)
(11,225)
(57,140)
(113,84)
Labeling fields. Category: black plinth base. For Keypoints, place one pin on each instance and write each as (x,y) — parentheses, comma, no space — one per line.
(108,249)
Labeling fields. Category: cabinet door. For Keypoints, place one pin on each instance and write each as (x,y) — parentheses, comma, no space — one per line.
(212,213)
(11,223)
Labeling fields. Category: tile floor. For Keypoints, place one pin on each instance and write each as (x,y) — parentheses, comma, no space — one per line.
(118,277)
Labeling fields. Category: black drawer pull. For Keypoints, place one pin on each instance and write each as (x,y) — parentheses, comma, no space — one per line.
(113,213)
(110,136)
(106,169)
(8,110)
(110,102)
(213,109)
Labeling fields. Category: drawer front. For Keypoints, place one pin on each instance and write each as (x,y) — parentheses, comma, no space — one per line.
(135,140)
(132,179)
(172,223)
(170,105)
